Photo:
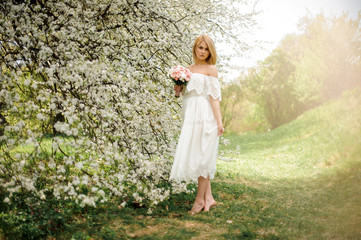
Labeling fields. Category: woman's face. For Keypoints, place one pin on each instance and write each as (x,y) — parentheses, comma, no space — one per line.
(202,51)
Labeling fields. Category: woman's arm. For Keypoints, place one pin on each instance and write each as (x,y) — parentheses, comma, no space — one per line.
(215,104)
(217,114)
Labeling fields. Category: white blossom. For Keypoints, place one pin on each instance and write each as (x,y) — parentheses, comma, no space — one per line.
(79,165)
(40,117)
(99,85)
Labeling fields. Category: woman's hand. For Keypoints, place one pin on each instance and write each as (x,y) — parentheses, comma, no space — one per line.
(220,129)
(178,89)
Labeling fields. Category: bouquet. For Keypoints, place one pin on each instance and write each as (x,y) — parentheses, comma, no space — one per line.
(180,76)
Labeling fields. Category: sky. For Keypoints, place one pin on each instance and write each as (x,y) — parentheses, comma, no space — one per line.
(281,17)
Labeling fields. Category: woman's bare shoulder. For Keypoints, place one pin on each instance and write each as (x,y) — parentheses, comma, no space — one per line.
(212,71)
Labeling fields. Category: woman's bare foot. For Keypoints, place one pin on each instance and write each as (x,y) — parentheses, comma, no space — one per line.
(208,204)
(197,207)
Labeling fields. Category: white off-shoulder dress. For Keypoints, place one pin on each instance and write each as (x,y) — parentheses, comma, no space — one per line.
(197,148)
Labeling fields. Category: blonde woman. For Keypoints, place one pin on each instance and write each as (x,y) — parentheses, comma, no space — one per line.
(196,153)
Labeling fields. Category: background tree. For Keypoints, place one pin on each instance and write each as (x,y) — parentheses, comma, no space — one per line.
(331,52)
(93,74)
(306,69)
(231,98)
(272,89)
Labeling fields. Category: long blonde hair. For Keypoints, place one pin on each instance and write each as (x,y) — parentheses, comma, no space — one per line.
(212,58)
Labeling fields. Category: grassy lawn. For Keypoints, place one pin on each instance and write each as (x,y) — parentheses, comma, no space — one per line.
(299,181)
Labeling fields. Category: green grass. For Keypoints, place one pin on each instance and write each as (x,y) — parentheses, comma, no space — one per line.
(307,174)
(299,181)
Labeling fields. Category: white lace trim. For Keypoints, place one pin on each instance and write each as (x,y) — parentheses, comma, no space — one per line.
(200,172)
(204,85)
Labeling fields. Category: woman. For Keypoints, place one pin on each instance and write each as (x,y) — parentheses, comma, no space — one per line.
(196,154)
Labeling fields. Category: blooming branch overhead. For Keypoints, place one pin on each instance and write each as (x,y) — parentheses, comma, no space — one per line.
(86,98)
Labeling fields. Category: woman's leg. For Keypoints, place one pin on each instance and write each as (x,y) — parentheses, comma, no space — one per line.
(208,197)
(199,202)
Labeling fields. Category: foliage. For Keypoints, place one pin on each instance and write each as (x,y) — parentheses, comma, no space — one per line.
(331,52)
(231,95)
(307,69)
(239,113)
(272,90)
(87,113)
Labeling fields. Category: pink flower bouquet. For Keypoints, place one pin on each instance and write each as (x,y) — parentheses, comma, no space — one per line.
(180,76)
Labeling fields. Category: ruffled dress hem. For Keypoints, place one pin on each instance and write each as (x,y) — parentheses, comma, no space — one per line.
(194,177)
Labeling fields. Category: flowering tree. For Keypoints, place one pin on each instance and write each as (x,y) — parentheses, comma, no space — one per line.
(87,108)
